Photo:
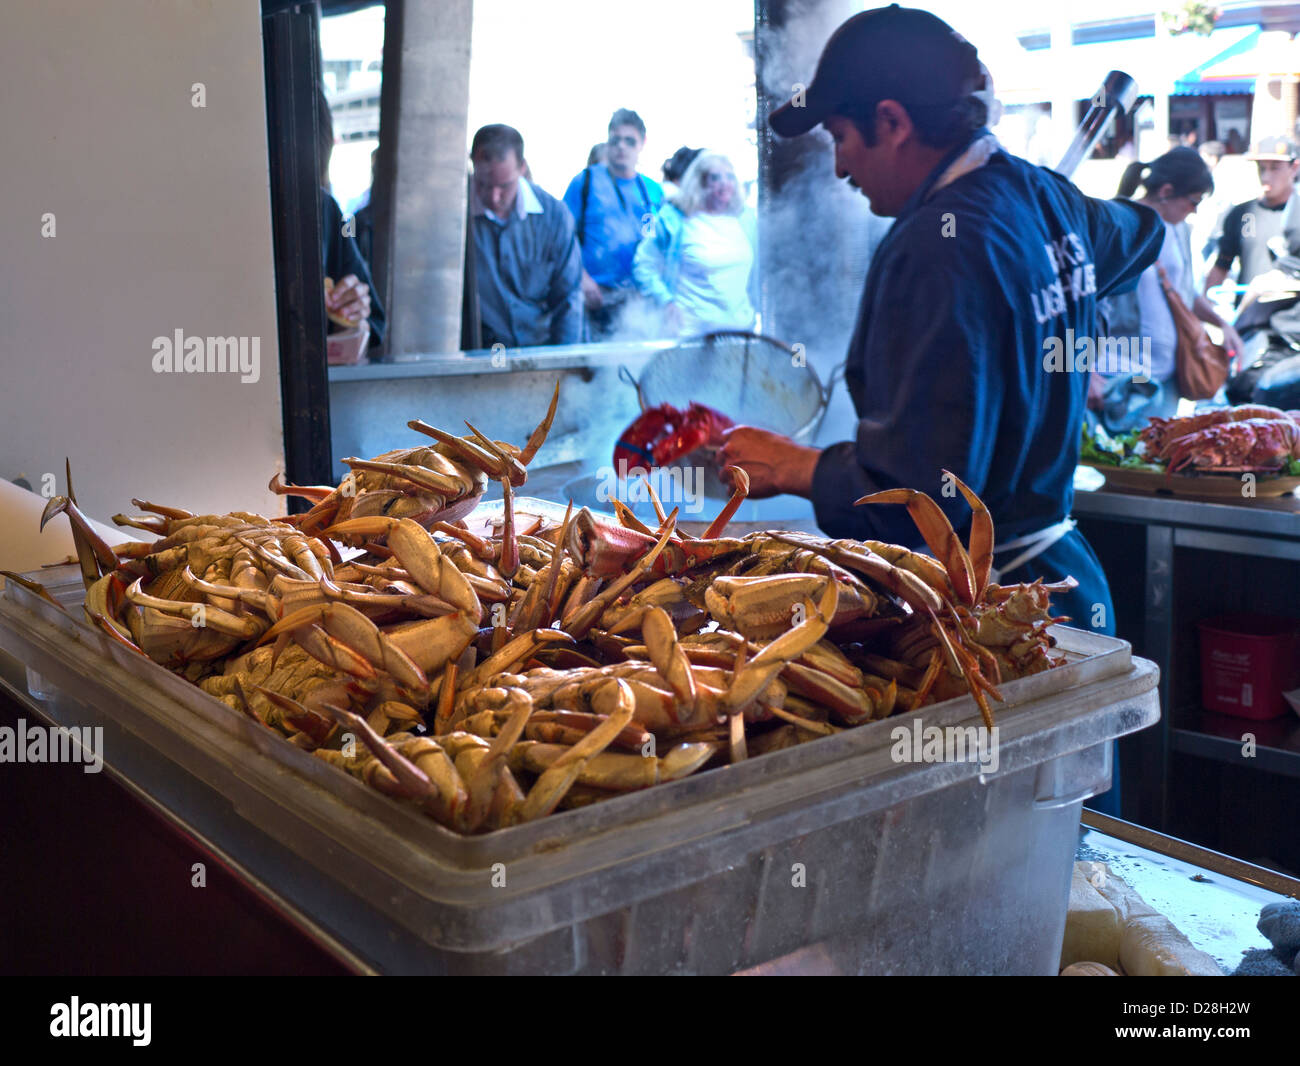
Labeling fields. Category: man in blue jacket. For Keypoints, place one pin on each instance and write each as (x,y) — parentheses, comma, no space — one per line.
(613,207)
(991,266)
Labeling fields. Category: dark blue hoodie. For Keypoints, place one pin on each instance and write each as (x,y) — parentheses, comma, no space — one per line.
(953,364)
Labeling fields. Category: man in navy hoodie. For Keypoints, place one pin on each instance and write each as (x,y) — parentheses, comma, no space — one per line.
(963,357)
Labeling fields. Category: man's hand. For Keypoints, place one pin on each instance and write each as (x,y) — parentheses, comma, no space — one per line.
(350,298)
(592,297)
(1096,391)
(775,464)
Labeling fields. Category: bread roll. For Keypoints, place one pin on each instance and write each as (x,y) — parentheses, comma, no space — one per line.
(1091,925)
(1149,943)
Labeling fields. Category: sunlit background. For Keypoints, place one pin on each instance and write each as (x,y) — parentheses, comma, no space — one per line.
(557,70)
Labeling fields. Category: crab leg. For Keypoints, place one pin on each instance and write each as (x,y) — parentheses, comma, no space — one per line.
(928,679)
(233,625)
(413,781)
(31,586)
(654,501)
(538,436)
(740,482)
(299,716)
(668,657)
(516,651)
(420,557)
(177,513)
(280,487)
(92,552)
(480,548)
(506,464)
(157,525)
(541,597)
(628,519)
(443,484)
(616,701)
(483,785)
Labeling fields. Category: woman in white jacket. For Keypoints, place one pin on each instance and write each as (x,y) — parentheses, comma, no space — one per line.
(697,264)
(1145,384)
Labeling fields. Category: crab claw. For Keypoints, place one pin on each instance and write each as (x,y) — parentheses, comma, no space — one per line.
(939,536)
(354,643)
(752,679)
(981,536)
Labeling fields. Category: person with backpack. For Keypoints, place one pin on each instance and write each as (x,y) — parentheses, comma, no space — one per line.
(613,206)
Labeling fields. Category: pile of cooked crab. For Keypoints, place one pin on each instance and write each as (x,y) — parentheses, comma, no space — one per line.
(491,674)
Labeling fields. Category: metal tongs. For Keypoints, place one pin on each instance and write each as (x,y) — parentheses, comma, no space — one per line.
(1117,95)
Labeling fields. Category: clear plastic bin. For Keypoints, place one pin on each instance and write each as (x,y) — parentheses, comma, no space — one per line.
(878,866)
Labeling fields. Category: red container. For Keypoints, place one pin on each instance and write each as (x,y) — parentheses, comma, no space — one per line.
(1247,662)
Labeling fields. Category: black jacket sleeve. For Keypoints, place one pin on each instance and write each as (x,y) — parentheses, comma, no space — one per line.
(1230,239)
(342,257)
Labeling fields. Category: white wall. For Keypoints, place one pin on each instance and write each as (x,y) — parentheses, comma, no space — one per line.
(162,222)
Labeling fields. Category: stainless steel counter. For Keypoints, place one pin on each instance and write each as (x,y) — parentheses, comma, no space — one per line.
(1213,899)
(1172,561)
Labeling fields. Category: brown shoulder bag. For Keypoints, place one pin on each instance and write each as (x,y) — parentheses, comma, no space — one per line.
(1201,365)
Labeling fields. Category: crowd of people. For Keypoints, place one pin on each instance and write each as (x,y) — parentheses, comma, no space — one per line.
(1245,241)
(622,254)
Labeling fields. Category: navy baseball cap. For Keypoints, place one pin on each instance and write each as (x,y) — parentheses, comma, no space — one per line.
(890,53)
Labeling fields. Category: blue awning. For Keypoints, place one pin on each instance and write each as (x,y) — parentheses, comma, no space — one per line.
(1178,64)
(1200,80)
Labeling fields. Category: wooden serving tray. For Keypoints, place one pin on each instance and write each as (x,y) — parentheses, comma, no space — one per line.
(1226,488)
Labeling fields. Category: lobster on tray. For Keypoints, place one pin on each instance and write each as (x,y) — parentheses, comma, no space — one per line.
(660,435)
(1231,440)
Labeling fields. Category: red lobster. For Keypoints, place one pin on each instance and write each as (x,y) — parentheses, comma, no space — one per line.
(1255,444)
(662,434)
(1160,433)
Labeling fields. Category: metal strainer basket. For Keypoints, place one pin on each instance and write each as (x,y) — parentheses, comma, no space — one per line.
(752,379)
